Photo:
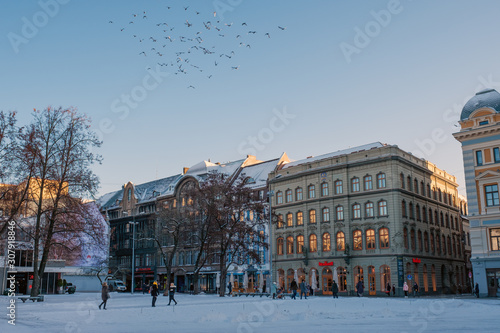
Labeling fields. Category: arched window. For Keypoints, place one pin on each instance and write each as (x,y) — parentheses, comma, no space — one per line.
(440,195)
(369,210)
(454,246)
(430,216)
(290,276)
(413,240)
(432,242)
(312,216)
(422,188)
(355,184)
(402,180)
(342,278)
(338,187)
(370,239)
(426,241)
(441,219)
(325,212)
(326,242)
(383,235)
(410,207)
(367,183)
(280,220)
(415,185)
(358,275)
(444,244)
(311,192)
(403,209)
(129,194)
(419,236)
(298,194)
(426,280)
(433,277)
(339,212)
(357,240)
(382,208)
(417,210)
(438,243)
(289,220)
(385,278)
(300,244)
(356,211)
(424,214)
(324,189)
(408,182)
(279,243)
(289,245)
(279,197)
(405,237)
(449,245)
(340,241)
(300,218)
(313,243)
(288,195)
(381,180)
(428,191)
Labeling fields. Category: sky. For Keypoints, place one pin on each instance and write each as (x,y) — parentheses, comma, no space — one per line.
(330,75)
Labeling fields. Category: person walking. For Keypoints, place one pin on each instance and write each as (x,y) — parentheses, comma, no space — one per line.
(154,293)
(393,289)
(359,288)
(335,289)
(388,291)
(274,290)
(476,290)
(264,287)
(104,295)
(415,289)
(171,293)
(294,287)
(230,287)
(303,289)
(191,289)
(405,289)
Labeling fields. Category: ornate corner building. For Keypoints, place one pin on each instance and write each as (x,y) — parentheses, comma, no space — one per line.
(480,138)
(374,214)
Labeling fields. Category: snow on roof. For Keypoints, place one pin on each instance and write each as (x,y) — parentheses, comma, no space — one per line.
(257,174)
(334,154)
(205,167)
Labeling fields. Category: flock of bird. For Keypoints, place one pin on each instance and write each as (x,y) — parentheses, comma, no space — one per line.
(190,42)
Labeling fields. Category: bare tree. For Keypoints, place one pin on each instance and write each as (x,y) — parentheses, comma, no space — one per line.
(53,157)
(235,238)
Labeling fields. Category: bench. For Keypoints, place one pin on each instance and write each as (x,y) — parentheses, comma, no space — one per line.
(284,295)
(33,299)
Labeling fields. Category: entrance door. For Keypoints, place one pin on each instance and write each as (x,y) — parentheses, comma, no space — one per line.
(327,281)
(493,283)
(371,281)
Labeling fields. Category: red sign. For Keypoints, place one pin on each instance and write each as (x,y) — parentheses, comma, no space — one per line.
(326,263)
(416,260)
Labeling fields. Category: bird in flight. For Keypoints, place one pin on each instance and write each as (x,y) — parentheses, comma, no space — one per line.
(188,24)
(267,34)
(186,8)
(282,28)
(143,53)
(244,23)
(110,21)
(191,87)
(237,67)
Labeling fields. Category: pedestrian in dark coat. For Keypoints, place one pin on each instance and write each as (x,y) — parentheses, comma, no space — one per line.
(191,289)
(294,287)
(104,295)
(154,293)
(359,288)
(303,289)
(230,287)
(388,291)
(476,290)
(335,289)
(264,287)
(415,290)
(171,292)
(393,289)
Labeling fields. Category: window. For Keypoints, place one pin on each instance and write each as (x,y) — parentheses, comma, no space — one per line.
(383,235)
(415,185)
(422,188)
(447,219)
(370,239)
(367,183)
(491,194)
(355,184)
(424,214)
(408,181)
(495,239)
(369,211)
(438,243)
(129,194)
(402,180)
(288,195)
(300,218)
(298,194)
(339,211)
(382,208)
(326,214)
(405,237)
(432,242)
(484,122)
(410,207)
(419,236)
(313,243)
(356,211)
(357,240)
(385,278)
(443,244)
(417,211)
(426,241)
(312,216)
(338,187)
(311,191)
(342,278)
(479,157)
(430,216)
(289,220)
(381,180)
(441,219)
(279,243)
(340,241)
(428,190)
(326,242)
(280,221)
(413,240)
(324,189)
(300,244)
(403,209)
(279,197)
(496,154)
(449,245)
(289,245)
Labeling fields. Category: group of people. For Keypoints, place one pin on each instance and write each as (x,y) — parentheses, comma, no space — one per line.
(154,291)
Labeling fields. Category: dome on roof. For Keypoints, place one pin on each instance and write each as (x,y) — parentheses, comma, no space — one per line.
(489,98)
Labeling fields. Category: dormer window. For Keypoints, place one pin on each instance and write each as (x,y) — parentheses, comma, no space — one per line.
(484,122)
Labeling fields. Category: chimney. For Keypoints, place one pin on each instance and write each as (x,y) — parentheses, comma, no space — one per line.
(184,170)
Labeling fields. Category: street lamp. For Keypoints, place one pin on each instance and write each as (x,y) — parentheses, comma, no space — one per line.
(133,254)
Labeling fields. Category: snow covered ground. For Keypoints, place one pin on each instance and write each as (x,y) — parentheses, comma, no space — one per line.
(209,313)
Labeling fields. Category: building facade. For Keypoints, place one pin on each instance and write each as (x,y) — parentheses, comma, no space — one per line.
(373,213)
(480,139)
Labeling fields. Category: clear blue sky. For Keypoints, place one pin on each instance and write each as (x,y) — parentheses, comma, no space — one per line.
(410,78)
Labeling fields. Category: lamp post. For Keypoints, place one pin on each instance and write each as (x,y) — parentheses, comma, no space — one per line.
(133,223)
